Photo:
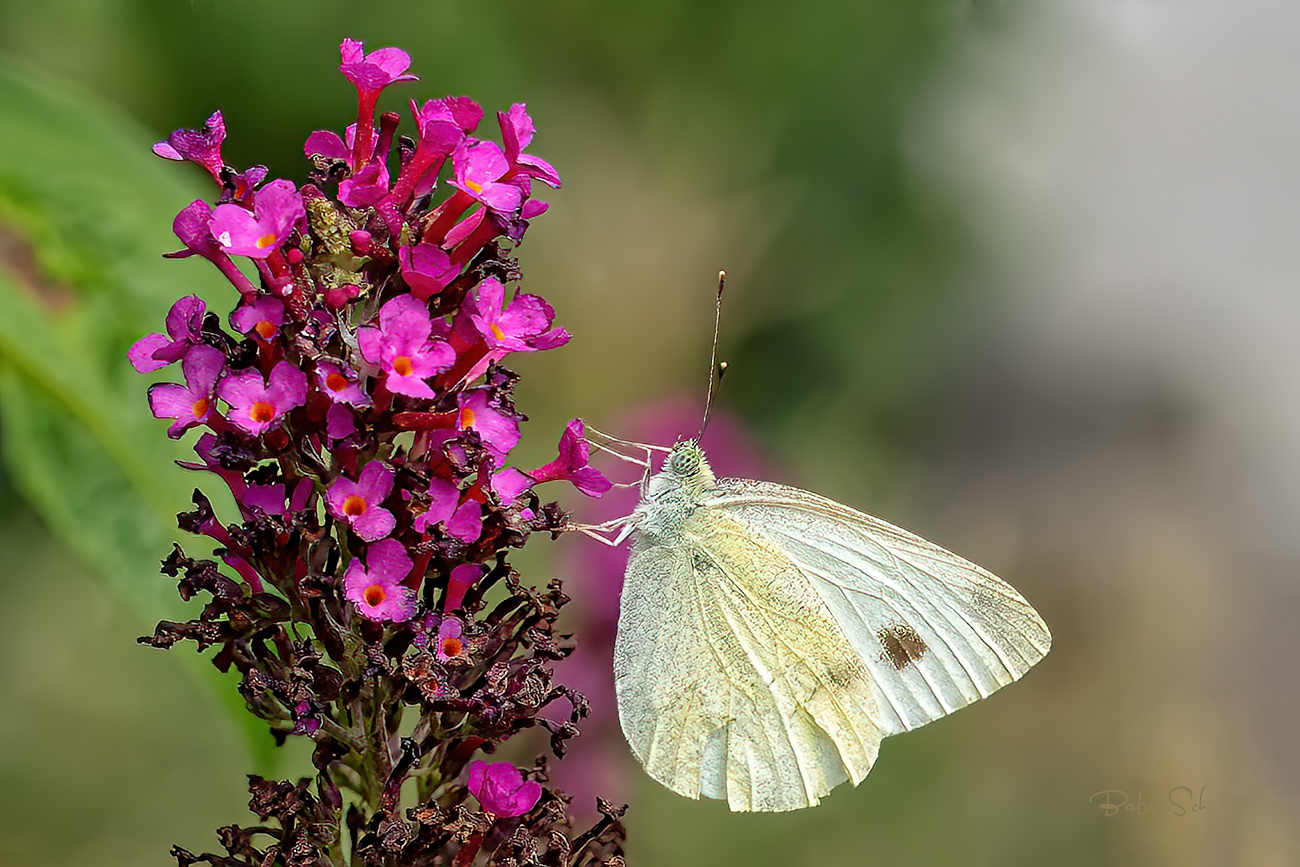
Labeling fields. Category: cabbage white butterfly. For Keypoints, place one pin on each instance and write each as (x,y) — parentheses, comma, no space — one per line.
(769,638)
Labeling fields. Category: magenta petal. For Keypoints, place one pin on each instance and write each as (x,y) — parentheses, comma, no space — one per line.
(591,481)
(426,268)
(268,498)
(501,788)
(237,231)
(365,188)
(242,387)
(410,386)
(337,494)
(502,198)
(340,423)
(375,482)
(499,432)
(287,387)
(509,483)
(479,162)
(405,318)
(202,366)
(326,143)
(371,343)
(191,225)
(536,167)
(467,523)
(169,400)
(374,524)
(185,318)
(464,228)
(266,309)
(141,354)
(388,560)
(466,112)
(443,499)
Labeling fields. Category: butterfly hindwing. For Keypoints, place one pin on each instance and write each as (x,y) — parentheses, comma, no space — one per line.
(935,631)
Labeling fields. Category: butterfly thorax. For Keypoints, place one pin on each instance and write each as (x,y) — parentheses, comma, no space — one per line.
(673,494)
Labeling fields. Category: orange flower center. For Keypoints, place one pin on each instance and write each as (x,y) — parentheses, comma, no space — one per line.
(375,595)
(451,646)
(466,418)
(200,407)
(336,382)
(265,241)
(265,329)
(402,365)
(500,335)
(476,187)
(354,506)
(262,412)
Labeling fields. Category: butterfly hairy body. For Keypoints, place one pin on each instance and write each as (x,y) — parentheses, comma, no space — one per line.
(769,638)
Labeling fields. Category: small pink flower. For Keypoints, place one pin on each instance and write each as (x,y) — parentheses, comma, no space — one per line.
(517,133)
(572,464)
(277,211)
(523,326)
(444,497)
(192,403)
(426,268)
(201,146)
(498,431)
(463,521)
(257,404)
(451,644)
(376,70)
(184,328)
(339,383)
(193,226)
(375,588)
(264,317)
(501,788)
(366,187)
(403,347)
(359,504)
(478,165)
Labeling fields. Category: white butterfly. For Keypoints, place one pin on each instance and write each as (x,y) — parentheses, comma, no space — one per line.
(769,638)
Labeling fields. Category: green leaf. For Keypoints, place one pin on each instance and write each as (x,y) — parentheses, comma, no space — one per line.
(85,214)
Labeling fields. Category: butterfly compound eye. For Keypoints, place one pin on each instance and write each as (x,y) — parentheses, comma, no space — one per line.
(684,461)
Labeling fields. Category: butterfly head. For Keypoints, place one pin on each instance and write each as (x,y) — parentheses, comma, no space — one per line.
(687,465)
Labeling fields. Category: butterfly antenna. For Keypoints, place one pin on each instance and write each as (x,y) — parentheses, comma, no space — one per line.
(716,370)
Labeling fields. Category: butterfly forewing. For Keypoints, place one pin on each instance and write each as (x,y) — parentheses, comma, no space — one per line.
(733,681)
(935,631)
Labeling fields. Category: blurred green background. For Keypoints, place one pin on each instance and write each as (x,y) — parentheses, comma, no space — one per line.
(1017,277)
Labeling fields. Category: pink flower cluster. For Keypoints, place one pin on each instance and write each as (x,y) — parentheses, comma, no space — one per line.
(377,311)
(356,404)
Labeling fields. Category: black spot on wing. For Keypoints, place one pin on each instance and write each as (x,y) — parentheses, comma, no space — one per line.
(901,644)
